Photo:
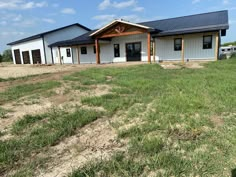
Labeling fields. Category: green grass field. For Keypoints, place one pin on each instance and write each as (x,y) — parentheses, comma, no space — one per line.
(185,121)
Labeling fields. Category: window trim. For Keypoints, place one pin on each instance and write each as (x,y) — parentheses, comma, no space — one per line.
(175,47)
(83,50)
(116,50)
(204,43)
(68,52)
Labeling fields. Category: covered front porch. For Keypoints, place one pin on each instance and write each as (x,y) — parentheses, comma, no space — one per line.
(119,41)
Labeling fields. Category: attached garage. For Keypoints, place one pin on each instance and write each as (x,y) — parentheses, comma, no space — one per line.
(26,57)
(17,56)
(36,55)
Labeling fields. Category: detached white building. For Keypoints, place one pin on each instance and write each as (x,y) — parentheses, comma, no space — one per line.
(188,38)
(228,49)
(35,49)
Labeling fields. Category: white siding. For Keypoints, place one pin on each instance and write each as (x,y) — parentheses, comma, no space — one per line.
(75,55)
(193,48)
(165,49)
(29,46)
(65,34)
(88,58)
(55,53)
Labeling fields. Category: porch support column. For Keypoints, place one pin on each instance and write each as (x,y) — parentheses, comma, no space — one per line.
(154,50)
(97,51)
(217,47)
(78,55)
(182,52)
(59,50)
(149,47)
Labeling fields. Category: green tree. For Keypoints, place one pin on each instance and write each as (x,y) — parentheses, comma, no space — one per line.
(7,56)
(229,43)
(0,58)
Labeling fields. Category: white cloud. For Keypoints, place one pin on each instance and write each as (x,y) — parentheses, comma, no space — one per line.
(68,11)
(232,8)
(232,22)
(12,33)
(138,9)
(48,20)
(3,23)
(17,18)
(21,4)
(55,5)
(225,2)
(196,1)
(26,23)
(105,4)
(125,4)
(106,19)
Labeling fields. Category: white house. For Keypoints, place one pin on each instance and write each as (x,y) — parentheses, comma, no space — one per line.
(35,49)
(194,37)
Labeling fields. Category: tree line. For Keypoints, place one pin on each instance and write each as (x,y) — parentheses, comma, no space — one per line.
(6,56)
(230,43)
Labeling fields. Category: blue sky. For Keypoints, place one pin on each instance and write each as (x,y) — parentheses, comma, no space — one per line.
(22,18)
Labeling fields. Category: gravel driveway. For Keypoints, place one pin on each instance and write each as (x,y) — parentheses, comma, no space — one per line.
(14,71)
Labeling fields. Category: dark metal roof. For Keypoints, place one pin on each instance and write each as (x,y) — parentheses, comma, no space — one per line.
(80,40)
(48,32)
(213,21)
(190,24)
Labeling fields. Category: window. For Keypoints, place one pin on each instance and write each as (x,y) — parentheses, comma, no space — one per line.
(68,53)
(207,42)
(178,44)
(116,50)
(223,50)
(235,49)
(83,50)
(228,50)
(94,49)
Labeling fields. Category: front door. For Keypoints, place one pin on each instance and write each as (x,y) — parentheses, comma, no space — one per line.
(133,51)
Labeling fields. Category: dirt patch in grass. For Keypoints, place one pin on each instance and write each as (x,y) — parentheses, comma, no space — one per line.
(95,141)
(190,65)
(17,112)
(170,66)
(193,65)
(217,121)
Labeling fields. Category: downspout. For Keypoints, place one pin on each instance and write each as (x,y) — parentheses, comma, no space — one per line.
(219,45)
(52,56)
(72,55)
(44,48)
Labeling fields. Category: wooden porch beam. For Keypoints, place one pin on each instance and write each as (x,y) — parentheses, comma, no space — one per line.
(97,51)
(149,47)
(121,34)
